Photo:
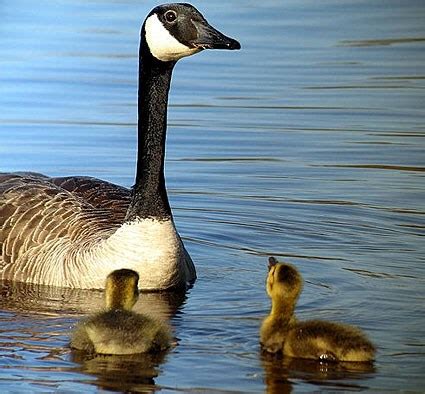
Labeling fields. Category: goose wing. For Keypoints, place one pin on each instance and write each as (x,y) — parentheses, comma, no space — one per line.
(100,194)
(35,213)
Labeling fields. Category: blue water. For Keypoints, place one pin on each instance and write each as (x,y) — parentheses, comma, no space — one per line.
(308,144)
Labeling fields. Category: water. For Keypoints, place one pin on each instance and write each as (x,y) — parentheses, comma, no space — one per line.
(307,144)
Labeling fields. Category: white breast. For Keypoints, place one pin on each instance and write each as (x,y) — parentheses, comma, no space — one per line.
(149,246)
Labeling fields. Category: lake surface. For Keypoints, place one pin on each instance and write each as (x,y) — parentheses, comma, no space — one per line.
(308,144)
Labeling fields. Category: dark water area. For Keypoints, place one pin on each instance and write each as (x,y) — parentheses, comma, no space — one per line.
(308,144)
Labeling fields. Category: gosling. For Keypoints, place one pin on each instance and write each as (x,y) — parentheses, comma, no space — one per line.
(314,339)
(118,330)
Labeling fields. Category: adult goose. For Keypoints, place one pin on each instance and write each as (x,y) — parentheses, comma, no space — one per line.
(74,231)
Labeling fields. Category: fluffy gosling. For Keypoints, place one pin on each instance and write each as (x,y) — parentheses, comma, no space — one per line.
(314,339)
(118,330)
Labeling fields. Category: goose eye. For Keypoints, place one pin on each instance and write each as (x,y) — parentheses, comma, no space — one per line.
(170,16)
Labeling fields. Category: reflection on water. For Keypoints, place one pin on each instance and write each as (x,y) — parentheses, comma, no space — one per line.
(280,373)
(389,41)
(308,144)
(130,373)
(50,300)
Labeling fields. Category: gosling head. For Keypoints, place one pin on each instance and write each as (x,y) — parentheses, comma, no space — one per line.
(121,290)
(173,31)
(283,282)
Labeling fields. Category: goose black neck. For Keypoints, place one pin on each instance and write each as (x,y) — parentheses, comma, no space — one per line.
(149,195)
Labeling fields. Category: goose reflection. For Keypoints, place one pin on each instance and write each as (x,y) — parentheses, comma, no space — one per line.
(50,300)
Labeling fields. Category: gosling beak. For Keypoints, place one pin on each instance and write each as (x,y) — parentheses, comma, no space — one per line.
(210,38)
(272,262)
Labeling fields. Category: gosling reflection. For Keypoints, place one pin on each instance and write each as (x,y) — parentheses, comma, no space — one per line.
(279,372)
(276,375)
(118,330)
(125,373)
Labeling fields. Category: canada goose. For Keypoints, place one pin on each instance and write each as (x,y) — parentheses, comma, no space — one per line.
(73,231)
(314,339)
(118,330)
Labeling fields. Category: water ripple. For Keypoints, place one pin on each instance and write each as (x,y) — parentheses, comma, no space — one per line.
(381,42)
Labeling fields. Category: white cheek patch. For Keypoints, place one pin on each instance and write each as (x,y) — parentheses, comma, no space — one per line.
(162,44)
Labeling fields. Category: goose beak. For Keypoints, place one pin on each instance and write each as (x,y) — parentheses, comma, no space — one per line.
(210,38)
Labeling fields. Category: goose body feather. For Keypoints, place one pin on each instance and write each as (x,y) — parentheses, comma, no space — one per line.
(70,232)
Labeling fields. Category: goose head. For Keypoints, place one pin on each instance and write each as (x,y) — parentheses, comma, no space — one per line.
(121,289)
(173,31)
(283,282)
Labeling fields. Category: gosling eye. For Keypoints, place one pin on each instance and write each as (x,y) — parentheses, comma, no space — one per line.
(170,16)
